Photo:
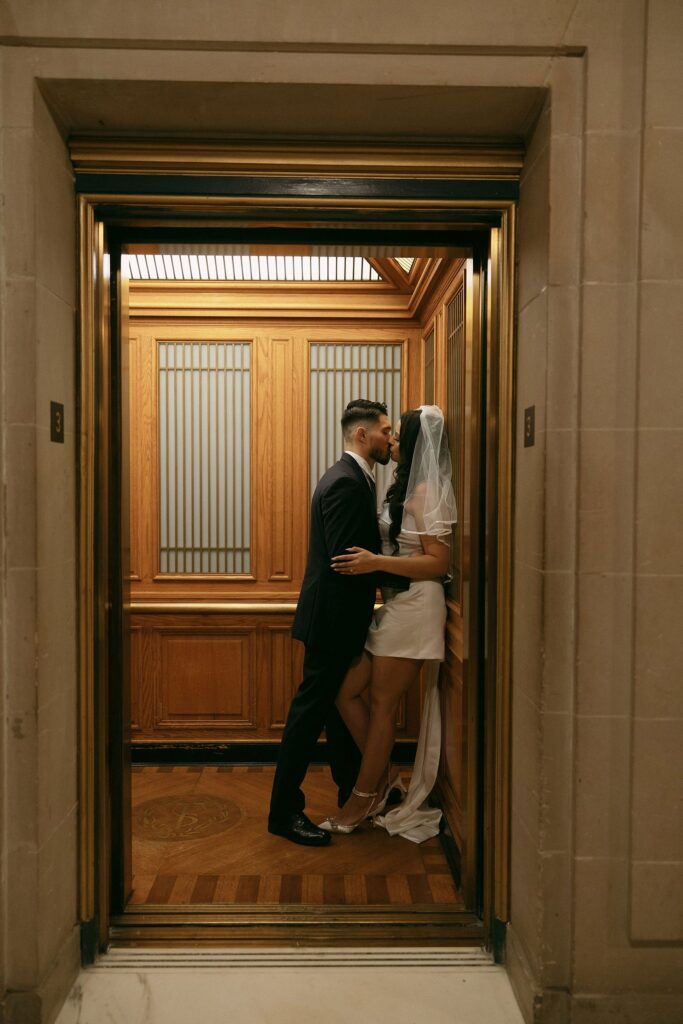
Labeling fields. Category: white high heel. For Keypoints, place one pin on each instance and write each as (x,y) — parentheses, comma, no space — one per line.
(332,825)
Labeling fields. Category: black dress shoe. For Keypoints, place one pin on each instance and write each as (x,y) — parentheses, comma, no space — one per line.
(299,829)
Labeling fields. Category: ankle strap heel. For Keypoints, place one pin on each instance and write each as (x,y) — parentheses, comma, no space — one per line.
(332,825)
(363,796)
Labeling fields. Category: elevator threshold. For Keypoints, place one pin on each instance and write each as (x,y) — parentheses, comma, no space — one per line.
(122,958)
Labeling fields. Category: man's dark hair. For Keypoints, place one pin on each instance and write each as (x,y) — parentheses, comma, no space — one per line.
(361,410)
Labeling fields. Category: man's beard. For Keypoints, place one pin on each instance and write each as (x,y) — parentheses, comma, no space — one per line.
(382,459)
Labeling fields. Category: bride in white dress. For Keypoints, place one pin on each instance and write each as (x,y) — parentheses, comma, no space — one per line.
(408,631)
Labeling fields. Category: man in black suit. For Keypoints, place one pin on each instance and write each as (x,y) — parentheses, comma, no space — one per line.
(332,619)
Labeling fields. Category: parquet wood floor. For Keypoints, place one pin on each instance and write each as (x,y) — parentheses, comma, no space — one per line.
(243,863)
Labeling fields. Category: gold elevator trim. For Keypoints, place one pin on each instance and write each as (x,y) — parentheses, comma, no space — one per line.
(126,156)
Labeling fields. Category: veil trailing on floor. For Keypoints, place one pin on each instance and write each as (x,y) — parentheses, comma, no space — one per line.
(414,819)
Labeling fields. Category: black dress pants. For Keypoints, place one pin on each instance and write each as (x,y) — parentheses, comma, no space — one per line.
(311,710)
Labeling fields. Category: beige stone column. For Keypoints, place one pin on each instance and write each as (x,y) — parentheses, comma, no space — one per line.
(39,602)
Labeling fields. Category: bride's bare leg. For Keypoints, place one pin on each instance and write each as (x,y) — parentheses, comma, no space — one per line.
(350,700)
(391,677)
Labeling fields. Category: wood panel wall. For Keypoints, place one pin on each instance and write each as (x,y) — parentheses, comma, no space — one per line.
(219,678)
(458,686)
(212,675)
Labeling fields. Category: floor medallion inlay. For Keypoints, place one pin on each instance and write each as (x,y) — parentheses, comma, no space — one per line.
(185,817)
(200,836)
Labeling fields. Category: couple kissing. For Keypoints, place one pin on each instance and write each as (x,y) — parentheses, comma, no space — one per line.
(358,666)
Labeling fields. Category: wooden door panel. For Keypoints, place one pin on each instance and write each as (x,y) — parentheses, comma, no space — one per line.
(137,638)
(206,676)
(281,674)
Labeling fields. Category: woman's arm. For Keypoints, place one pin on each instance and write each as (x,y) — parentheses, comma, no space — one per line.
(430,565)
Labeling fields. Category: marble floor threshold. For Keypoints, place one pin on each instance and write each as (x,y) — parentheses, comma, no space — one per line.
(288,986)
(447,956)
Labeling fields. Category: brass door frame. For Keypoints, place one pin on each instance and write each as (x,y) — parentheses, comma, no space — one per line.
(262,925)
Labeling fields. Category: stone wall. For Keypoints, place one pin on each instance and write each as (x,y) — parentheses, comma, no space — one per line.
(39,620)
(596,718)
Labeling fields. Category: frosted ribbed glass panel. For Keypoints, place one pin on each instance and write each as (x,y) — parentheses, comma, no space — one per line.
(204,461)
(208,265)
(340,372)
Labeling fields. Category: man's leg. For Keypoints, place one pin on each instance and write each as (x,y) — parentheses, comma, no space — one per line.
(309,710)
(343,753)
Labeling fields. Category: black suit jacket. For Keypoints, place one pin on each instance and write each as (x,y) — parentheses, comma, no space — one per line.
(335,611)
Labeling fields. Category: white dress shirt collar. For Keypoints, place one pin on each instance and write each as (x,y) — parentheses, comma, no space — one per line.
(363,465)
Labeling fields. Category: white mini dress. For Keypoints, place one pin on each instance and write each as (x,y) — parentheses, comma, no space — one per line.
(411,623)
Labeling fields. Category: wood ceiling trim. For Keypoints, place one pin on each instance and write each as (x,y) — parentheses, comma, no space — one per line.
(389,270)
(212,300)
(189,157)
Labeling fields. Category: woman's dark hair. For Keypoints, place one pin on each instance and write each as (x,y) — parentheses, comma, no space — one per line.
(410,429)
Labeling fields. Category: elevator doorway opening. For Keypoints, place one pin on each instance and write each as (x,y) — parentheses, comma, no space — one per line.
(221,397)
(229,355)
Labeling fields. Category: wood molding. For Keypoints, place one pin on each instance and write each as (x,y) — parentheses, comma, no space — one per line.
(499,727)
(391,272)
(259,925)
(283,672)
(213,607)
(499,160)
(152,300)
(280,469)
(90,732)
(433,286)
